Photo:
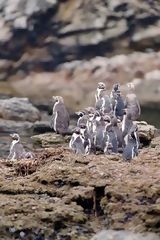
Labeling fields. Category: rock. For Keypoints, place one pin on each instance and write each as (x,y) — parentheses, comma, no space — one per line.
(144,37)
(125,235)
(19,109)
(155,143)
(49,139)
(10,126)
(146,131)
(41,127)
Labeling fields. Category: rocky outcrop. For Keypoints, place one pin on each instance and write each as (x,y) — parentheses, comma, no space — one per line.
(72,197)
(146,132)
(49,139)
(18,109)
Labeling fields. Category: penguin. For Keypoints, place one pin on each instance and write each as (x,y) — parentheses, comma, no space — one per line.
(60,117)
(83,118)
(77,142)
(111,143)
(118,132)
(127,124)
(103,102)
(131,149)
(119,105)
(101,87)
(87,138)
(132,103)
(98,131)
(115,88)
(17,150)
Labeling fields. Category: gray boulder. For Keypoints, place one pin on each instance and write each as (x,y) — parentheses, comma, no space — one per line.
(19,109)
(124,235)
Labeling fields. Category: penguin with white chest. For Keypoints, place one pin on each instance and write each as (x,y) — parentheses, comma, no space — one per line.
(17,150)
(131,149)
(77,142)
(60,116)
(103,101)
(110,137)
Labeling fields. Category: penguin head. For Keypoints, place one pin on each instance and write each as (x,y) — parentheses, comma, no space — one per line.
(131,86)
(80,113)
(116,87)
(77,130)
(101,85)
(97,116)
(58,99)
(83,127)
(106,119)
(91,116)
(15,136)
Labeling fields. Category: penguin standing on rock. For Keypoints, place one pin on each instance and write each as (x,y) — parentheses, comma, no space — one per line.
(60,117)
(103,102)
(111,143)
(17,150)
(77,142)
(132,103)
(87,138)
(131,149)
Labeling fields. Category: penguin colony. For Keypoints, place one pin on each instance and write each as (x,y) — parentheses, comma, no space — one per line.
(109,127)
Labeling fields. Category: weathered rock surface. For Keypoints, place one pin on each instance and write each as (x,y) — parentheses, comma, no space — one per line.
(18,109)
(49,139)
(146,131)
(74,197)
(123,235)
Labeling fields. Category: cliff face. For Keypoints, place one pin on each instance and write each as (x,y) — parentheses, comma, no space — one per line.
(36,36)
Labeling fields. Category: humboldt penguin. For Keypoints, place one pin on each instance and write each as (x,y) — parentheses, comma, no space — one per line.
(111,143)
(127,124)
(83,118)
(98,131)
(132,103)
(87,138)
(103,102)
(60,117)
(131,149)
(101,87)
(17,150)
(119,105)
(118,131)
(77,142)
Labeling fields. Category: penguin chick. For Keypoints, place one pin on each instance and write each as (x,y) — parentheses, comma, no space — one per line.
(60,117)
(17,150)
